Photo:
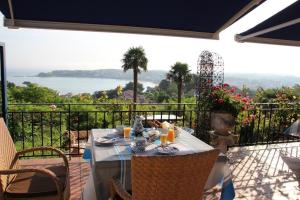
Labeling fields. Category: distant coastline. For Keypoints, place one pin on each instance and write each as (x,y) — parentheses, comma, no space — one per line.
(66,85)
(154,76)
(251,80)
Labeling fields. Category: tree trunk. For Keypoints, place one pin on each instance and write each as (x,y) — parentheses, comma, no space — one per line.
(179,90)
(135,82)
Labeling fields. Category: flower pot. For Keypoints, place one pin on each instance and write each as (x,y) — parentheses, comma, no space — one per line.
(222,123)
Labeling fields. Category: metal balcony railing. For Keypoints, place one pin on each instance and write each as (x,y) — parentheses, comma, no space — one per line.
(67,126)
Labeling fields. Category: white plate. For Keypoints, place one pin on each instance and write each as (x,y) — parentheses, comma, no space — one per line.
(167,150)
(105,142)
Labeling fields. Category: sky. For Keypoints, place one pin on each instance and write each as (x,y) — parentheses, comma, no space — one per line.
(46,50)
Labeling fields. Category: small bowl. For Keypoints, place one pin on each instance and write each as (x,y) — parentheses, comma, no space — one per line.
(153,135)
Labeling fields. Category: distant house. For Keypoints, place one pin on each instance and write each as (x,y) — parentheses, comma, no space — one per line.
(68,95)
(128,95)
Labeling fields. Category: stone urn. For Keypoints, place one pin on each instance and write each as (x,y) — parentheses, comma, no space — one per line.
(222,122)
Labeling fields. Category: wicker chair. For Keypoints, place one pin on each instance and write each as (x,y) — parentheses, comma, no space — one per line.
(177,177)
(30,183)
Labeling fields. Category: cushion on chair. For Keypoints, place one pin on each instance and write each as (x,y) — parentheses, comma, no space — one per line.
(32,184)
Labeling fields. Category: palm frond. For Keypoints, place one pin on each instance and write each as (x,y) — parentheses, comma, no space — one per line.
(135,58)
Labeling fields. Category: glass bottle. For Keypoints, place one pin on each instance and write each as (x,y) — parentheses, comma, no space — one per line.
(138,127)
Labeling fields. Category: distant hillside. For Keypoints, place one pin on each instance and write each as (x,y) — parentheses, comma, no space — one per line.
(253,81)
(154,76)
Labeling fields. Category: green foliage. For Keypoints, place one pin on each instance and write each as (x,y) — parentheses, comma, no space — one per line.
(135,59)
(46,124)
(278,95)
(129,86)
(225,99)
(110,94)
(180,74)
(32,93)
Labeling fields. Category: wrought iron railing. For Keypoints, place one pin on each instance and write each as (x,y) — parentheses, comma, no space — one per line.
(270,124)
(67,126)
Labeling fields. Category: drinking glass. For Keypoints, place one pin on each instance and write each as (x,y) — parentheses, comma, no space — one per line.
(163,139)
(171,135)
(127,132)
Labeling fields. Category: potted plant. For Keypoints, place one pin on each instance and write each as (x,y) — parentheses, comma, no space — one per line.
(225,105)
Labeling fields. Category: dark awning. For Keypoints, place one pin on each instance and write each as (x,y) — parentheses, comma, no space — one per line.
(282,28)
(193,18)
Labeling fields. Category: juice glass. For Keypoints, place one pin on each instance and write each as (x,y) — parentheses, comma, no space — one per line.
(127,132)
(171,135)
(163,139)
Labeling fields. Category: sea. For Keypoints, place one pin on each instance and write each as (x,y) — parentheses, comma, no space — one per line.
(65,85)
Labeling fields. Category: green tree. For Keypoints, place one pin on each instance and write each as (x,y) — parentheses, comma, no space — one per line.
(130,86)
(33,93)
(180,74)
(164,85)
(135,59)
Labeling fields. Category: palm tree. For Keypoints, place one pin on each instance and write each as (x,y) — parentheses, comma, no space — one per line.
(180,74)
(135,59)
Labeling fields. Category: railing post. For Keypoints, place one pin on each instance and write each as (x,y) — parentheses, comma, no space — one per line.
(270,124)
(113,119)
(69,129)
(3,83)
(130,113)
(183,115)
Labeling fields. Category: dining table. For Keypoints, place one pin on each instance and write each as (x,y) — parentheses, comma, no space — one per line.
(111,161)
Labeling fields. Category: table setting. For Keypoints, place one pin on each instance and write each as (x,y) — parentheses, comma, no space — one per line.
(153,141)
(111,151)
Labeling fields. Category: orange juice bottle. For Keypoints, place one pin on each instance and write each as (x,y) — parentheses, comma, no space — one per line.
(171,135)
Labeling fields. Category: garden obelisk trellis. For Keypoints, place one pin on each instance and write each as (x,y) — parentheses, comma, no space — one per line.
(210,71)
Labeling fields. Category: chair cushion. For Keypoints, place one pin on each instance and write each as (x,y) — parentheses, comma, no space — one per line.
(32,184)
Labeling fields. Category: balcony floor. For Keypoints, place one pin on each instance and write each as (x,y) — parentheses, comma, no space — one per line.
(258,173)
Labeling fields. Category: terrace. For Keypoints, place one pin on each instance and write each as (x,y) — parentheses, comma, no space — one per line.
(258,171)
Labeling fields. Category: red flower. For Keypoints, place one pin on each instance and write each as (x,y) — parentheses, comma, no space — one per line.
(220,101)
(233,90)
(245,100)
(225,85)
(216,87)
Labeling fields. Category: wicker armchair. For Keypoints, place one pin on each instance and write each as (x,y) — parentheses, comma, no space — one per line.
(177,177)
(30,183)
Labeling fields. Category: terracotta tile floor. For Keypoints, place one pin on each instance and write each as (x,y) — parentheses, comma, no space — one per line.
(258,173)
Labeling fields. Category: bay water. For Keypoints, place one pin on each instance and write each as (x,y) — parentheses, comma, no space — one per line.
(66,85)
